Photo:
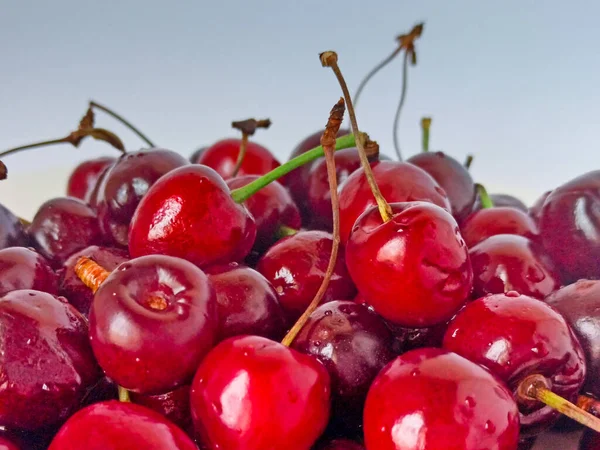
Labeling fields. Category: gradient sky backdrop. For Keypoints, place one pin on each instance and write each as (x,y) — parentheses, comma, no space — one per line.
(514,82)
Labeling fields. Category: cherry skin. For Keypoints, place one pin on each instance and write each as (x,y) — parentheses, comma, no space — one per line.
(189,213)
(296,266)
(414,270)
(341,444)
(453,177)
(46,363)
(570,227)
(95,196)
(174,405)
(196,155)
(437,400)
(23,268)
(85,176)
(515,336)
(501,200)
(114,425)
(252,393)
(12,231)
(497,220)
(72,288)
(151,322)
(104,389)
(124,185)
(507,262)
(6,444)
(63,226)
(246,303)
(397,181)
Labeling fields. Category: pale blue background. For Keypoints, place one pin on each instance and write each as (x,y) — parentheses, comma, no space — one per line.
(515,82)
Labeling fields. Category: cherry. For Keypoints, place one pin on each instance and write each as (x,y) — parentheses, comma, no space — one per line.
(116,425)
(95,194)
(6,444)
(504,200)
(194,157)
(296,266)
(46,363)
(507,262)
(434,399)
(570,227)
(341,444)
(414,269)
(23,268)
(63,226)
(246,303)
(515,337)
(252,393)
(84,177)
(535,211)
(12,231)
(104,389)
(488,222)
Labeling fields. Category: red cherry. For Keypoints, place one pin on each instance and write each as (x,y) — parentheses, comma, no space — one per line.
(6,444)
(12,232)
(436,400)
(414,270)
(84,177)
(114,425)
(95,196)
(22,268)
(497,220)
(189,213)
(251,393)
(501,200)
(196,155)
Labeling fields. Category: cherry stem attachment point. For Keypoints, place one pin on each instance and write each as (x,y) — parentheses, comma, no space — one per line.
(468,161)
(484,198)
(285,231)
(123,395)
(589,404)
(425,126)
(248,127)
(3,171)
(121,119)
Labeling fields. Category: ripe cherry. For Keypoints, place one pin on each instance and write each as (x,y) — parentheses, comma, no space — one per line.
(497,220)
(12,231)
(23,268)
(503,200)
(6,444)
(85,176)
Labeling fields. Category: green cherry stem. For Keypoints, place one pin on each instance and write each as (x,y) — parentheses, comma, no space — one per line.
(486,201)
(425,126)
(468,161)
(285,231)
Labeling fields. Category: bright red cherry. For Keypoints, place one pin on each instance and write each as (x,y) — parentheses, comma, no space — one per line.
(84,177)
(251,393)
(437,400)
(414,270)
(114,425)
(12,232)
(174,405)
(23,268)
(497,220)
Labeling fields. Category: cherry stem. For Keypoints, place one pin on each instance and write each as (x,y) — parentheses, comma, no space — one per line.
(121,119)
(469,161)
(536,387)
(248,128)
(35,145)
(123,394)
(373,72)
(285,231)
(241,155)
(484,198)
(329,59)
(90,273)
(425,126)
(243,193)
(589,404)
(328,143)
(400,106)
(3,171)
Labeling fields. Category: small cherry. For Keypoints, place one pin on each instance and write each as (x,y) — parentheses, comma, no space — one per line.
(12,230)
(23,268)
(84,177)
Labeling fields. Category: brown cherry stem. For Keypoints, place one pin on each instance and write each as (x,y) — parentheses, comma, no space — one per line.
(3,171)
(589,404)
(468,161)
(248,127)
(329,59)
(328,143)
(121,119)
(425,127)
(537,387)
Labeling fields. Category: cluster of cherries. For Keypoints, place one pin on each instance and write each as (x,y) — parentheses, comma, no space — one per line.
(228,301)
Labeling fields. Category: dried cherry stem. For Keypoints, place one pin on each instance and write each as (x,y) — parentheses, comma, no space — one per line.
(248,127)
(484,198)
(425,126)
(329,59)
(285,231)
(3,171)
(469,161)
(537,387)
(328,143)
(373,72)
(589,404)
(121,119)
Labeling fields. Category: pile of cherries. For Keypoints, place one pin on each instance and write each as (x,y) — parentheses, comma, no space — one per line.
(146,308)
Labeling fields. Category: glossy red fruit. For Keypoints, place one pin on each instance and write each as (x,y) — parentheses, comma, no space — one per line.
(271,208)
(124,185)
(189,213)
(251,393)
(222,157)
(515,336)
(501,200)
(84,177)
(6,444)
(341,444)
(174,405)
(95,196)
(413,270)
(151,323)
(570,227)
(116,425)
(23,268)
(507,262)
(296,266)
(398,182)
(63,226)
(535,211)
(497,220)
(12,232)
(453,177)
(246,303)
(437,400)
(46,363)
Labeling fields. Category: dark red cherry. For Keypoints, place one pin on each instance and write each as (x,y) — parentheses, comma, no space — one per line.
(6,444)
(453,177)
(296,266)
(222,157)
(515,336)
(507,262)
(590,441)
(124,185)
(414,270)
(570,227)
(341,444)
(151,322)
(503,200)
(84,177)
(246,303)
(194,157)
(95,196)
(23,268)
(46,363)
(12,231)
(189,213)
(398,182)
(114,425)
(437,400)
(63,226)
(71,287)
(174,405)
(535,211)
(271,208)
(251,393)
(497,220)
(104,389)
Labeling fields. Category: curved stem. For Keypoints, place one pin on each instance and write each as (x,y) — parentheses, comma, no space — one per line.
(373,72)
(241,154)
(425,126)
(90,273)
(123,121)
(486,201)
(401,105)
(35,145)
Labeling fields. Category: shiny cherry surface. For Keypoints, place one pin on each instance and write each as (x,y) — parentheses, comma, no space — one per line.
(497,220)
(23,268)
(84,177)
(12,232)
(6,444)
